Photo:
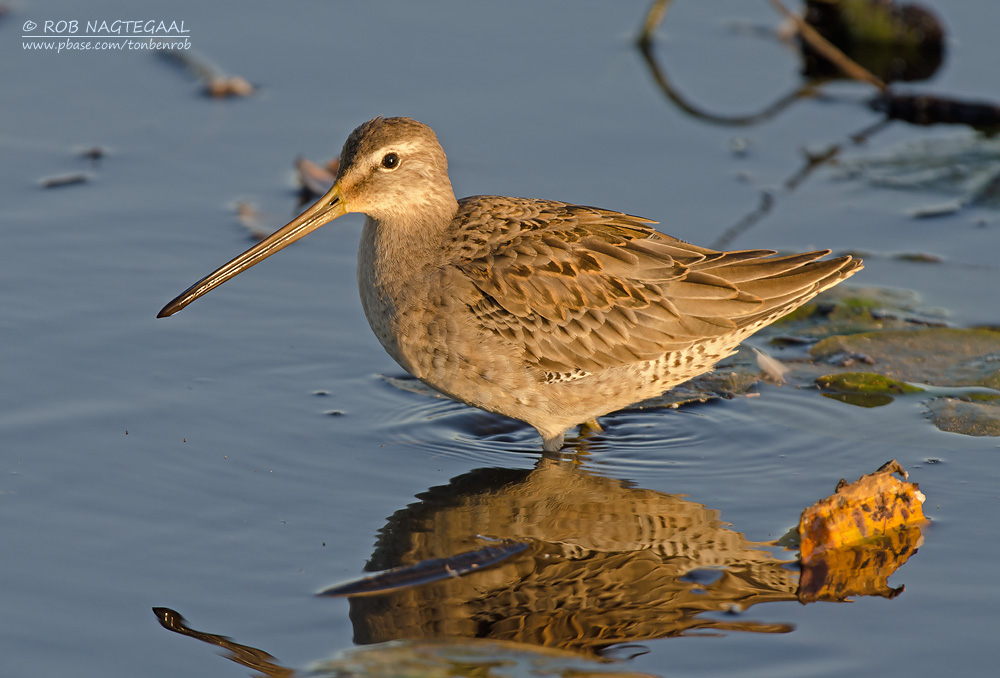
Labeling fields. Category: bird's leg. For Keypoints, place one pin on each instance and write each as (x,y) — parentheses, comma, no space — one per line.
(552,443)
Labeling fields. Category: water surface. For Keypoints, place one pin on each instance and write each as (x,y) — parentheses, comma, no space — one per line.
(233,460)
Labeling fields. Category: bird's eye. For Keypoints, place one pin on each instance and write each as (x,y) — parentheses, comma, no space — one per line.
(390,161)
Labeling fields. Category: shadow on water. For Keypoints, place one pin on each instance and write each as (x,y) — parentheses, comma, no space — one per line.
(598,566)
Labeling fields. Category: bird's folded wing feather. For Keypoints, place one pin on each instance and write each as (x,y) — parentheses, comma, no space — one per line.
(584,289)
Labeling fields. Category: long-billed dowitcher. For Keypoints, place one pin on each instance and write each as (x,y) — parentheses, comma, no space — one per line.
(543,311)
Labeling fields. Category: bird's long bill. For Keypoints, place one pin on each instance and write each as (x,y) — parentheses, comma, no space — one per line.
(325,210)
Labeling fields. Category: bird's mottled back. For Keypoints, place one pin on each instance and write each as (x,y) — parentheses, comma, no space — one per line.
(581,290)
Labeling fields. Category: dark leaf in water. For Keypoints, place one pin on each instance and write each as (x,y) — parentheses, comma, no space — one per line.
(894,41)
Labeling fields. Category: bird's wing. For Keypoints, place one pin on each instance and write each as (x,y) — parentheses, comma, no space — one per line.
(581,289)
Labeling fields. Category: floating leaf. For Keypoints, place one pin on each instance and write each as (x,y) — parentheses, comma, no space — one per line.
(860,512)
(852,541)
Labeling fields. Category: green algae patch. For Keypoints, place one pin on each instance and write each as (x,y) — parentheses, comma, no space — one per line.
(827,316)
(865,383)
(938,357)
(902,26)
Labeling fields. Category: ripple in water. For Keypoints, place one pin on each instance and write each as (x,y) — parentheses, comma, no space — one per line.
(633,442)
(417,416)
(900,423)
(727,439)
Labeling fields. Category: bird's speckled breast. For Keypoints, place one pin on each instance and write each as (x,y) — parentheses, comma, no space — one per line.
(421,316)
(379,298)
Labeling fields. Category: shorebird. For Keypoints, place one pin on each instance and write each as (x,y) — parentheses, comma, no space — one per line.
(544,311)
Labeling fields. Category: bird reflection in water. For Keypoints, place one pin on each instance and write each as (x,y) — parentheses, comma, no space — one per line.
(554,565)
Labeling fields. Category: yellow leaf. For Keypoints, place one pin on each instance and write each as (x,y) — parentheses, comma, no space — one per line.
(861,511)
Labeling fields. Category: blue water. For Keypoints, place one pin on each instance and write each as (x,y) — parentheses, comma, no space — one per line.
(233,460)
